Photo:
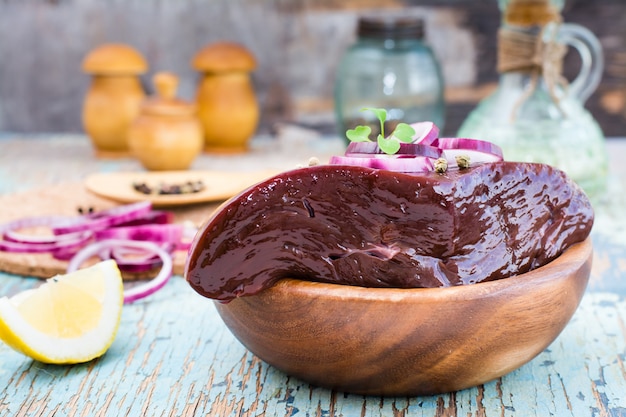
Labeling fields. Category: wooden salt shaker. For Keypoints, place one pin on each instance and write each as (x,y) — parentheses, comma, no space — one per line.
(114,97)
(167,134)
(227,104)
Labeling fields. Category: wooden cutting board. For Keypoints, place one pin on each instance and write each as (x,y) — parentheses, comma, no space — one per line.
(65,199)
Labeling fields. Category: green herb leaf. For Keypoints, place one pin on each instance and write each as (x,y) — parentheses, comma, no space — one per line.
(359,134)
(404,133)
(389,146)
(381,114)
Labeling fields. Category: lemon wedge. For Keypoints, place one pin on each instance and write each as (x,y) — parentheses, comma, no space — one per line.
(71,318)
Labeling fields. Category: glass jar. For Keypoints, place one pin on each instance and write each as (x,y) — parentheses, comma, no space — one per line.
(389,67)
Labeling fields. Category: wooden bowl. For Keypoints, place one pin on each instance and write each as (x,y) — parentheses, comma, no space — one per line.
(410,341)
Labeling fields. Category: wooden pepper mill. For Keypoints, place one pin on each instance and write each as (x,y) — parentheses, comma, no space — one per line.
(167,134)
(227,104)
(114,97)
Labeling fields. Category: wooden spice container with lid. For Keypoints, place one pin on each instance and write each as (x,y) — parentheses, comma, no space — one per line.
(227,104)
(167,134)
(114,97)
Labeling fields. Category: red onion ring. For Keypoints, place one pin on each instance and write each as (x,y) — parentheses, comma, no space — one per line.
(151,217)
(479,151)
(407,165)
(19,242)
(104,219)
(137,292)
(8,230)
(371,149)
(136,237)
(419,155)
(72,242)
(425,132)
(65,254)
(136,260)
(157,233)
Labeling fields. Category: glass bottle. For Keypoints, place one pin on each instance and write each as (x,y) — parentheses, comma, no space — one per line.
(388,67)
(536,115)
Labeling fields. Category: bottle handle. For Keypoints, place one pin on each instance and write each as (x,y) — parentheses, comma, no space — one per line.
(591,55)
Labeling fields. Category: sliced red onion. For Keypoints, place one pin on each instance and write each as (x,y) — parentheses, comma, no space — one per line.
(104,219)
(137,259)
(133,222)
(8,230)
(419,155)
(123,253)
(157,233)
(24,243)
(151,217)
(478,151)
(371,149)
(65,254)
(13,236)
(408,165)
(57,245)
(73,242)
(425,132)
(350,160)
(138,265)
(137,292)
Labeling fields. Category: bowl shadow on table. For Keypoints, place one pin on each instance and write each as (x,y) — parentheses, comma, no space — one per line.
(399,342)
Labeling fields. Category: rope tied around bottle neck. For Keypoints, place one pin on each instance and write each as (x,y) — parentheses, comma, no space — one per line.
(523,51)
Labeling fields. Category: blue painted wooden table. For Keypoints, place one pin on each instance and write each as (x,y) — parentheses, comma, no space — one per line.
(173,356)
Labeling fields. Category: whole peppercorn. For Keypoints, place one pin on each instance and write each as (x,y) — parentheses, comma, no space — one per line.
(463,161)
(441,165)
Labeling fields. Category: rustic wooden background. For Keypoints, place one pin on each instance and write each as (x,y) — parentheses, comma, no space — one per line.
(298,44)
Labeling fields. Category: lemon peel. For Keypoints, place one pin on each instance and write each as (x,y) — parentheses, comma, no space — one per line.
(71,318)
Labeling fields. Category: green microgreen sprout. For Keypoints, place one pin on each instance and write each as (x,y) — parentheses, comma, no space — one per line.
(389,145)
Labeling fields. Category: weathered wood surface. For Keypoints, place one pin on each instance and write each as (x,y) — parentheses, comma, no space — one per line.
(173,356)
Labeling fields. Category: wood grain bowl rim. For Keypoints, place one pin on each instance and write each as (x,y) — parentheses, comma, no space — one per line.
(563,266)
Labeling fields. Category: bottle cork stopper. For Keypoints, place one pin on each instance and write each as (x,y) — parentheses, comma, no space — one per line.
(531,12)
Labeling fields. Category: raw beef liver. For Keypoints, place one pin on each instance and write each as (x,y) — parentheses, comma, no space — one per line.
(376,228)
